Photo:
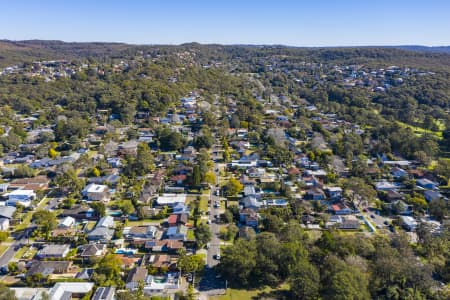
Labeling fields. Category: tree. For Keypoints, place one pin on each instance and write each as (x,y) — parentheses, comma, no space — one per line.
(202,235)
(6,293)
(23,171)
(305,281)
(349,284)
(3,236)
(170,140)
(210,178)
(190,263)
(439,208)
(358,191)
(144,159)
(196,176)
(69,182)
(109,269)
(234,187)
(95,172)
(126,207)
(238,262)
(52,153)
(46,221)
(99,208)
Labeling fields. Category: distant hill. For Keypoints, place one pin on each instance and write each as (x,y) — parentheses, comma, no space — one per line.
(434,49)
(16,52)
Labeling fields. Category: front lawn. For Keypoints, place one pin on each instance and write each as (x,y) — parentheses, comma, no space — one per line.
(266,293)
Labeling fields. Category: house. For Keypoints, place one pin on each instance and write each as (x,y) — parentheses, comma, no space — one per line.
(178,179)
(170,200)
(33,183)
(177,233)
(111,179)
(141,232)
(93,250)
(180,208)
(249,190)
(314,194)
(100,234)
(104,293)
(399,207)
(408,223)
(385,186)
(248,217)
(67,222)
(70,290)
(114,162)
(161,261)
(334,193)
(53,251)
(177,219)
(4,187)
(49,267)
(251,202)
(23,197)
(431,195)
(107,222)
(397,173)
(7,212)
(137,275)
(78,212)
(392,195)
(341,209)
(426,184)
(170,246)
(349,224)
(29,293)
(96,192)
(161,284)
(256,172)
(4,224)
(128,148)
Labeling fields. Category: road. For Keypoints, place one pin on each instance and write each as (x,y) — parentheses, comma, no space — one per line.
(210,284)
(20,239)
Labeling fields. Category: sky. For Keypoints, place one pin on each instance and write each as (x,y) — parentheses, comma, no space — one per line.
(286,22)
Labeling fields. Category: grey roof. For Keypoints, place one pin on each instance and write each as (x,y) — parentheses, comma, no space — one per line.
(107,221)
(104,293)
(7,211)
(102,232)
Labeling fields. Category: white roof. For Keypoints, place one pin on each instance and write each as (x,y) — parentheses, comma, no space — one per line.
(22,192)
(67,221)
(95,188)
(171,199)
(60,288)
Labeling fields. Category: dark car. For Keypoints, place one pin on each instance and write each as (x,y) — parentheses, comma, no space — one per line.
(372,216)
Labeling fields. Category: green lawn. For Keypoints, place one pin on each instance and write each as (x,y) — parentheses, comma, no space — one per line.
(203,205)
(21,252)
(419,130)
(265,293)
(191,235)
(3,248)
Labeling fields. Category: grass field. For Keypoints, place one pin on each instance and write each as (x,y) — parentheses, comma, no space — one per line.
(203,205)
(419,130)
(3,248)
(265,293)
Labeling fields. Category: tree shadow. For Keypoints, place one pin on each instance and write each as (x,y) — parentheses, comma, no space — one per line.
(274,295)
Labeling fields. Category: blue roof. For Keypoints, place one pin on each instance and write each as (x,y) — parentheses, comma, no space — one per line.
(172,231)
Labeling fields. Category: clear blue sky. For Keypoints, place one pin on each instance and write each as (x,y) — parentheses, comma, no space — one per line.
(289,22)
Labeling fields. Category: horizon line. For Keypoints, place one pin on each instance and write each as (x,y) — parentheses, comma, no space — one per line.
(222,44)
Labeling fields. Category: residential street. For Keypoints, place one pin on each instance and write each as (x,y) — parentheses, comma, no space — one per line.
(210,284)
